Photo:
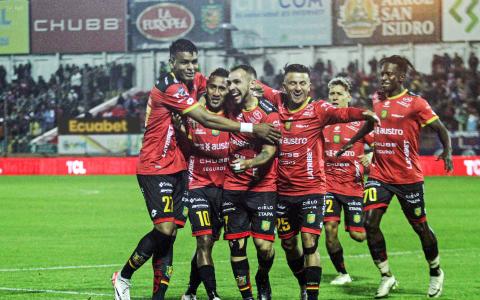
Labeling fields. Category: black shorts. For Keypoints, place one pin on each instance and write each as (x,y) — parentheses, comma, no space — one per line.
(163,195)
(378,194)
(300,214)
(247,213)
(352,210)
(204,211)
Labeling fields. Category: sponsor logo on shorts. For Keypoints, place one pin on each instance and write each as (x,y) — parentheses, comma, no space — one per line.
(153,213)
(357,218)
(311,218)
(265,225)
(418,211)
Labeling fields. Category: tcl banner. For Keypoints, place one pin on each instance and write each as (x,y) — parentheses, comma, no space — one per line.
(155,24)
(72,26)
(464,166)
(386,21)
(68,166)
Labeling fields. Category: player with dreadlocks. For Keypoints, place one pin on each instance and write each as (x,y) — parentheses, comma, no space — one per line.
(396,169)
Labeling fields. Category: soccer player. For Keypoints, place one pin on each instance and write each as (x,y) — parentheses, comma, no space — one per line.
(207,164)
(161,166)
(301,181)
(249,196)
(344,176)
(396,170)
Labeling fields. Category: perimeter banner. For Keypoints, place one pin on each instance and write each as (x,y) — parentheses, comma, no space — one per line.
(155,24)
(461,20)
(277,23)
(73,26)
(386,21)
(14,37)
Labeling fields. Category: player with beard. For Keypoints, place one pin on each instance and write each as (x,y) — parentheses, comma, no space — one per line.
(344,179)
(206,169)
(161,166)
(396,170)
(301,175)
(249,196)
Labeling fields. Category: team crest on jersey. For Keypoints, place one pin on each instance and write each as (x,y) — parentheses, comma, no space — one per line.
(311,218)
(215,132)
(357,218)
(418,211)
(336,139)
(257,115)
(265,225)
(384,114)
(359,19)
(288,125)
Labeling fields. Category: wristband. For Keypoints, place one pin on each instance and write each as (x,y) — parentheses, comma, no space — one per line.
(246,127)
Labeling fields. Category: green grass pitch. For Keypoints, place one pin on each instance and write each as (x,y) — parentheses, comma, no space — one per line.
(62,237)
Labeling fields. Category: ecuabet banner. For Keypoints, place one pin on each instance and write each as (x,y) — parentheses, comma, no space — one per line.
(14,38)
(271,23)
(155,24)
(386,21)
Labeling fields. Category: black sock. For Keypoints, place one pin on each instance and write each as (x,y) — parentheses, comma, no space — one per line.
(312,279)
(298,269)
(378,250)
(148,244)
(195,279)
(337,260)
(162,272)
(264,266)
(241,271)
(207,275)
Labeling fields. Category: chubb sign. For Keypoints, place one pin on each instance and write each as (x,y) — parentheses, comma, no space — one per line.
(163,22)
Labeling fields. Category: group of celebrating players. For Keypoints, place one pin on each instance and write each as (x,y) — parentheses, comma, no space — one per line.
(228,151)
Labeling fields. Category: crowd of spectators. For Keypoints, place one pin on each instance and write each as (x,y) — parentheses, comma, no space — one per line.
(33,106)
(452,88)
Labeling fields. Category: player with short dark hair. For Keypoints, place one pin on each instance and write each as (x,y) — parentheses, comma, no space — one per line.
(249,190)
(396,170)
(344,176)
(206,169)
(161,166)
(301,175)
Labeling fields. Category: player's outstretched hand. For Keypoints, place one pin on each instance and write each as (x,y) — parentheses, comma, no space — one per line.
(371,116)
(268,132)
(344,148)
(446,156)
(366,159)
(240,165)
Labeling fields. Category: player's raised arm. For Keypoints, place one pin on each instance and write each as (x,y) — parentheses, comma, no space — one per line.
(264,130)
(267,153)
(444,137)
(366,129)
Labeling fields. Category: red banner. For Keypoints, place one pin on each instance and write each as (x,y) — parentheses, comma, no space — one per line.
(463,166)
(68,166)
(72,26)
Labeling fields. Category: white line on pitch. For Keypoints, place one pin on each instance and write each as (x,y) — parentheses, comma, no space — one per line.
(367,255)
(52,291)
